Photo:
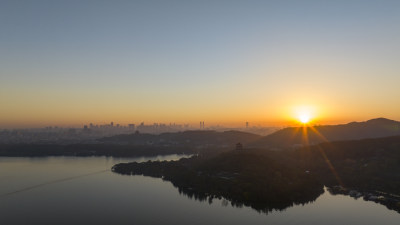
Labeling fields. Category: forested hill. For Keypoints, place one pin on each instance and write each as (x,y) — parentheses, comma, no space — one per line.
(188,142)
(186,138)
(293,136)
(269,180)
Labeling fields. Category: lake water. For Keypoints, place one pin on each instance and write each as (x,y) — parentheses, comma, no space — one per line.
(83,190)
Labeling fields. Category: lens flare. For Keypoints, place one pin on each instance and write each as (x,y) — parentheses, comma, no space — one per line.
(304,114)
(304,118)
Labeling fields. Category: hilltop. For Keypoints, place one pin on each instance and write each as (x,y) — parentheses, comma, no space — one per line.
(309,135)
(284,138)
(208,141)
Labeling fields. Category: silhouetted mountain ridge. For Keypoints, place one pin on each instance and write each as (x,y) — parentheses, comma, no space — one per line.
(308,135)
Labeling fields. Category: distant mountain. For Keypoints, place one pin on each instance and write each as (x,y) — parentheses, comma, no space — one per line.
(186,138)
(288,137)
(297,136)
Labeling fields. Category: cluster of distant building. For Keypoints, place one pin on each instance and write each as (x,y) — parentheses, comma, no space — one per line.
(57,135)
(89,133)
(155,128)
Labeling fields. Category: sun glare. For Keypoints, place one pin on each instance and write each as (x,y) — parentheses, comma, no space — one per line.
(304,118)
(304,114)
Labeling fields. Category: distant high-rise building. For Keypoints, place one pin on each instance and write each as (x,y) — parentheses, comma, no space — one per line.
(247,125)
(131,126)
(112,124)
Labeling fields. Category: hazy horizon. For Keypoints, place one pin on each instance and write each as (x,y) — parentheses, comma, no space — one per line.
(69,63)
(195,126)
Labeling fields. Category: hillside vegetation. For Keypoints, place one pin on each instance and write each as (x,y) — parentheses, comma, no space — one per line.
(267,180)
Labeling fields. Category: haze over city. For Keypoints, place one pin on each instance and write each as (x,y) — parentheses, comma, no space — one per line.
(70,63)
(224,112)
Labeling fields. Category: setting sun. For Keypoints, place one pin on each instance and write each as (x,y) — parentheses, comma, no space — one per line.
(304,118)
(304,114)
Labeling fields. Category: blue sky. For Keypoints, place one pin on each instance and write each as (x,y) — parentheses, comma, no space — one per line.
(184,61)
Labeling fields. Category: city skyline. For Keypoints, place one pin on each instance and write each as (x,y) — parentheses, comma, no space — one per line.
(227,62)
(130,124)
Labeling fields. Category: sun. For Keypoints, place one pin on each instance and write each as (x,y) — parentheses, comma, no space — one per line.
(304,114)
(304,118)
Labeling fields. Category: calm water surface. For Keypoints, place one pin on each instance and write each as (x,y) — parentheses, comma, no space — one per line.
(83,190)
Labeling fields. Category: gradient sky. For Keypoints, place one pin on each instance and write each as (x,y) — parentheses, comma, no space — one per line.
(225,62)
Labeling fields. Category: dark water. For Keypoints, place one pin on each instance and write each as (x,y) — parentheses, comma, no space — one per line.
(83,190)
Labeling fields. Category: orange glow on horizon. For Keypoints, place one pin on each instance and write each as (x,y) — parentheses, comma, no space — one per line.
(304,114)
(304,118)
